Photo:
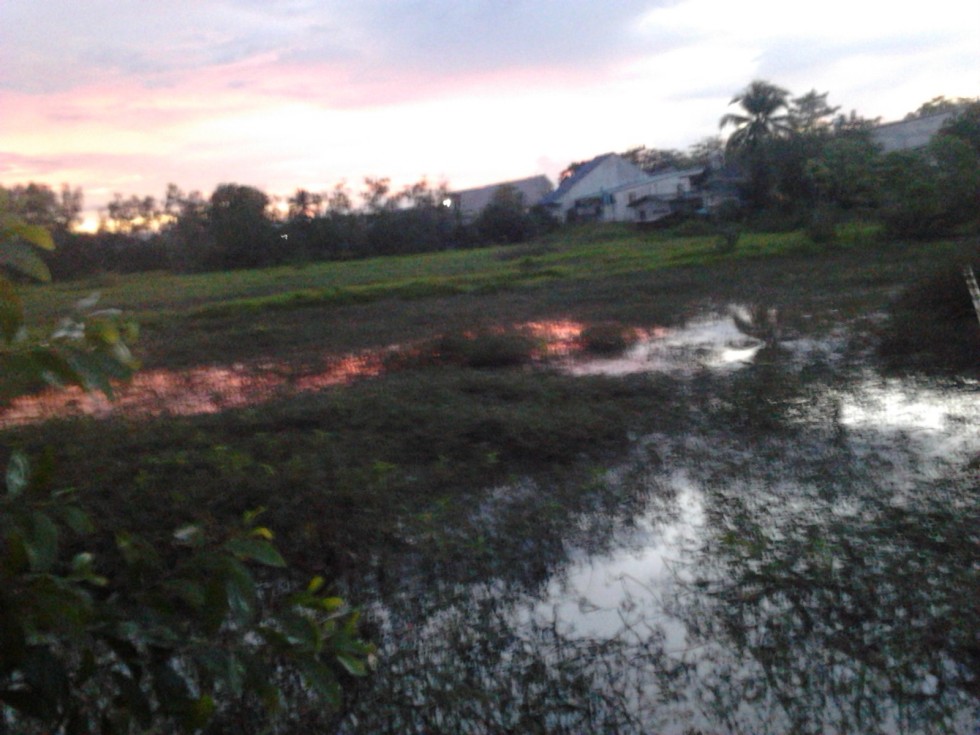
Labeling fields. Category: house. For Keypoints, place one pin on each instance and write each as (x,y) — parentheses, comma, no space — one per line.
(907,134)
(659,195)
(611,189)
(468,203)
(718,184)
(588,193)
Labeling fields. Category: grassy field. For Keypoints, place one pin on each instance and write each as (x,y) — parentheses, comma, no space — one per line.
(433,428)
(591,274)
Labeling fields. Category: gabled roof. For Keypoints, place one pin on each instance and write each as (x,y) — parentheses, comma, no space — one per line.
(580,173)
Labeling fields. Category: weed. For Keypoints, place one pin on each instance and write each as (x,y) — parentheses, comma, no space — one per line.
(608,338)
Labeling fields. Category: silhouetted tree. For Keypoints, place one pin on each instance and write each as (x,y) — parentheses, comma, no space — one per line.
(242,232)
(764,119)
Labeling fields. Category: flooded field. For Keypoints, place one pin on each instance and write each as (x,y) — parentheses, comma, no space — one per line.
(812,567)
(796,550)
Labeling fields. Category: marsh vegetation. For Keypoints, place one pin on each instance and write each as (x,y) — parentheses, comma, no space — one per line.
(755,530)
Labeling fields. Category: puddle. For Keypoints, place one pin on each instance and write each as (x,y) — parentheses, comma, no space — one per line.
(188,392)
(713,341)
(214,389)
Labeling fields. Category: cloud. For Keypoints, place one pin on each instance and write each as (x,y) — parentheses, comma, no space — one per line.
(306,92)
(57,46)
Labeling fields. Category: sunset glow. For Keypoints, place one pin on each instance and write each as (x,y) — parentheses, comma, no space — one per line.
(127,98)
(214,389)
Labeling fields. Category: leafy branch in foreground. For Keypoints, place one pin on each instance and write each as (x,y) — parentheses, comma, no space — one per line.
(170,635)
(87,348)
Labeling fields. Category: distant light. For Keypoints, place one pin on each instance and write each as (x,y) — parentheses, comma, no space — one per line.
(447,202)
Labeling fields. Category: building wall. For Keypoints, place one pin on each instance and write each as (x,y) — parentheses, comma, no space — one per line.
(666,185)
(899,136)
(611,174)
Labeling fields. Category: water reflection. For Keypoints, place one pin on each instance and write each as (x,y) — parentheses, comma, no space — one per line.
(817,574)
(214,389)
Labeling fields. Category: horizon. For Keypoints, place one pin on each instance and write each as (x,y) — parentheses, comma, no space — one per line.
(303,95)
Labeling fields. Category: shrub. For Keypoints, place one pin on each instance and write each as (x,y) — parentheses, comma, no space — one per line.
(932,192)
(148,636)
(607,338)
(822,227)
(728,238)
(488,349)
(933,324)
(694,228)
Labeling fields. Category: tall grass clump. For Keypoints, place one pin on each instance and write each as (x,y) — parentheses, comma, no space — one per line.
(933,325)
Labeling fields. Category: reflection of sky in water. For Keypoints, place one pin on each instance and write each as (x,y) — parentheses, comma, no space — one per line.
(712,342)
(912,432)
(942,421)
(591,594)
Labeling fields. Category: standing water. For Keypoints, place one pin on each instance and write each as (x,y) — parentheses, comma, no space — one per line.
(804,558)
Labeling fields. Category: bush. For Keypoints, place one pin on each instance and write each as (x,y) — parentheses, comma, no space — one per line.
(932,192)
(822,227)
(607,338)
(933,325)
(728,238)
(694,228)
(152,635)
(489,349)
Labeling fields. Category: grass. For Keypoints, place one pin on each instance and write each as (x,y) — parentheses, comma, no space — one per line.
(463,411)
(594,273)
(597,251)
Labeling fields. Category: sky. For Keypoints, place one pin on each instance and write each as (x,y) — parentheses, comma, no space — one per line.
(129,95)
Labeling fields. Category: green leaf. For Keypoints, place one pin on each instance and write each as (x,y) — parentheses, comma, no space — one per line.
(18,473)
(190,591)
(262,532)
(83,569)
(256,550)
(34,234)
(321,679)
(248,518)
(101,332)
(11,311)
(353,666)
(22,258)
(315,585)
(240,592)
(76,519)
(42,546)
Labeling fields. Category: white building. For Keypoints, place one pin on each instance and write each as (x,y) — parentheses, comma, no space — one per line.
(611,189)
(588,194)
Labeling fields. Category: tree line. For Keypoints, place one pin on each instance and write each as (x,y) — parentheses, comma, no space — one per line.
(240,226)
(806,165)
(801,164)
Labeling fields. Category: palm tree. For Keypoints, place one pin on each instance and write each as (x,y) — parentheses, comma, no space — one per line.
(760,101)
(761,123)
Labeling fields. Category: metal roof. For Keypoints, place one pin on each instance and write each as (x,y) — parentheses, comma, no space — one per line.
(580,173)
